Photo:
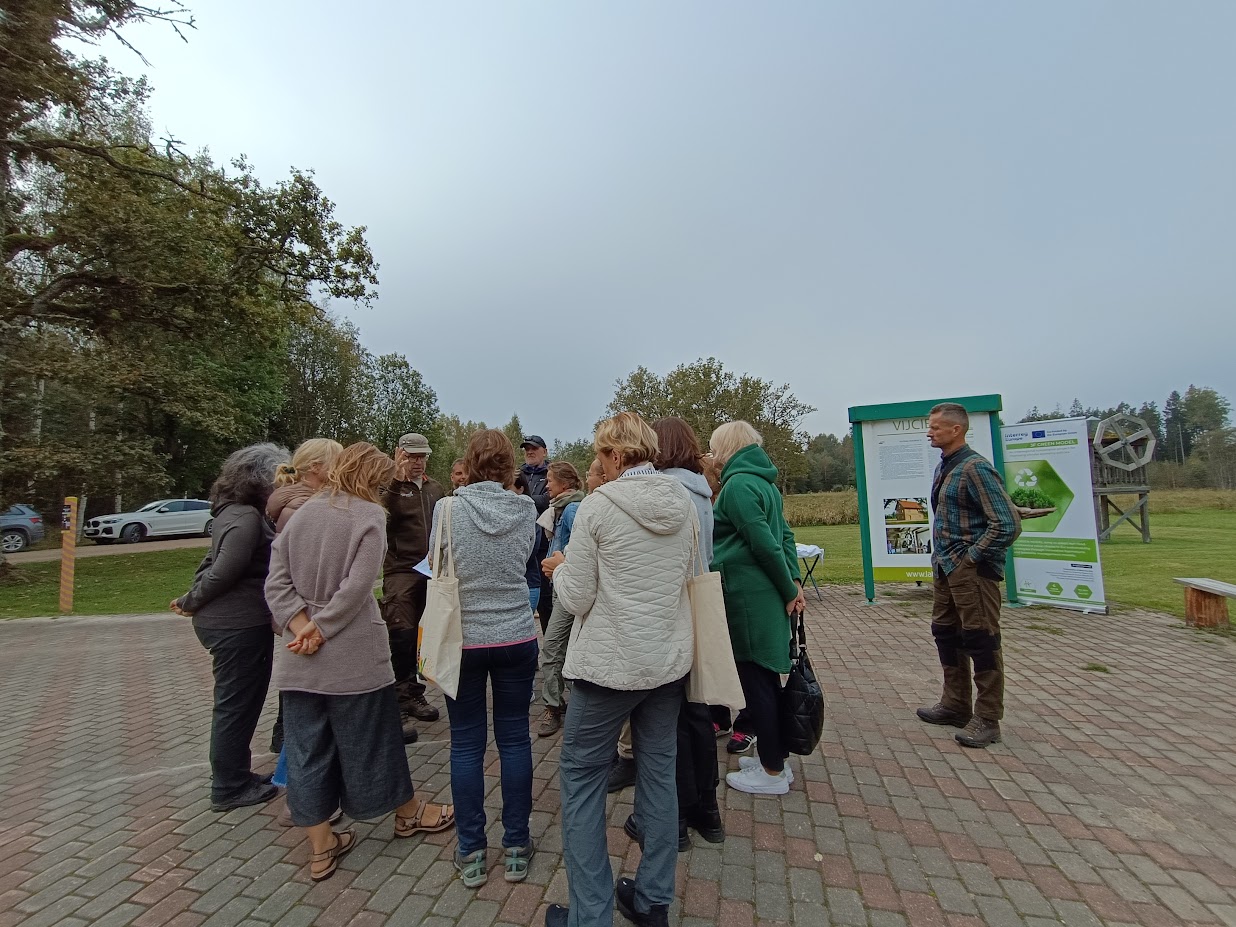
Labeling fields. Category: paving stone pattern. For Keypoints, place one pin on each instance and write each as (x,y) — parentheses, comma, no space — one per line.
(1111,800)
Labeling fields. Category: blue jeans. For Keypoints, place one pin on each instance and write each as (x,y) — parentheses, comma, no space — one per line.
(594,719)
(534,597)
(510,669)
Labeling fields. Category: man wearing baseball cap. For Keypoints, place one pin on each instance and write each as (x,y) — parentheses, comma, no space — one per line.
(409,502)
(536,472)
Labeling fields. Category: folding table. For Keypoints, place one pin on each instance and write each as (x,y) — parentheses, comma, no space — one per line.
(811,556)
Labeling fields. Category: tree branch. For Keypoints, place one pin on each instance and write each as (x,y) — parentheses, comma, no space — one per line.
(104,153)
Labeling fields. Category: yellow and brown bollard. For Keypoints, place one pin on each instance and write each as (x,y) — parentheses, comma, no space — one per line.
(68,553)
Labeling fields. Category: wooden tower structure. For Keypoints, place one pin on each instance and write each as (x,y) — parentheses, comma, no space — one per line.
(1121,447)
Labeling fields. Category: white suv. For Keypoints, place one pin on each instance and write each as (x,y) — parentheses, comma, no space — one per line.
(165,517)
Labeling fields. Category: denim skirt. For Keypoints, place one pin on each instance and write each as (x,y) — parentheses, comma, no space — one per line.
(344,751)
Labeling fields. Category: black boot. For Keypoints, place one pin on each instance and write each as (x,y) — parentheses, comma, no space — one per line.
(276,734)
(633,831)
(621,774)
(705,817)
(657,916)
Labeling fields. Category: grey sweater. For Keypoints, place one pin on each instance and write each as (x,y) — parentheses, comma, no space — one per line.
(227,588)
(326,561)
(494,531)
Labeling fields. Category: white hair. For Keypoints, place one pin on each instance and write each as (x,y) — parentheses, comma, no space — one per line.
(731,438)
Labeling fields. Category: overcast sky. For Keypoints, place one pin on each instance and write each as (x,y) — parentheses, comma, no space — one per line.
(872,201)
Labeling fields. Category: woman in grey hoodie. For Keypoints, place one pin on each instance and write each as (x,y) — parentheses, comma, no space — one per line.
(493,531)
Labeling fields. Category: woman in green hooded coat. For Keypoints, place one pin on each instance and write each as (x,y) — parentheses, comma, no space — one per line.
(754,550)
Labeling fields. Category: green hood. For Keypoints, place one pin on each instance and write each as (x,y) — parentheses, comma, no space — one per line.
(751,459)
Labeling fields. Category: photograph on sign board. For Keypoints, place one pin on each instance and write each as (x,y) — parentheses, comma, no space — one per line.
(906,511)
(1041,495)
(901,541)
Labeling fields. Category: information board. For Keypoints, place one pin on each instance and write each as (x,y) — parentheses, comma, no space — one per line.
(1047,471)
(894,465)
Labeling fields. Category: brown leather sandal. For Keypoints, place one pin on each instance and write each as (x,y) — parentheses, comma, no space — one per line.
(428,819)
(344,841)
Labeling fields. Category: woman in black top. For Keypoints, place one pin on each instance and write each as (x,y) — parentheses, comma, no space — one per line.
(227,603)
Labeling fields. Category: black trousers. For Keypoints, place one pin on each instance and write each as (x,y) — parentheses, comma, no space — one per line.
(696,773)
(762,689)
(242,661)
(722,716)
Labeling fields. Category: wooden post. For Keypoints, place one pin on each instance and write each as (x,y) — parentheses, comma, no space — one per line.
(1205,609)
(68,553)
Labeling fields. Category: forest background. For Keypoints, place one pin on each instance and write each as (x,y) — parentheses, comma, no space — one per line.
(159,310)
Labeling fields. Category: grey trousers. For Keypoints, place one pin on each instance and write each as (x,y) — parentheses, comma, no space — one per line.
(594,718)
(553,655)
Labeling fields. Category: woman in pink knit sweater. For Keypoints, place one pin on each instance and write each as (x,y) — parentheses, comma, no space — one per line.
(341,715)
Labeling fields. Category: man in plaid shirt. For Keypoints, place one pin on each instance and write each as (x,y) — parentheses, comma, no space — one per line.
(975,524)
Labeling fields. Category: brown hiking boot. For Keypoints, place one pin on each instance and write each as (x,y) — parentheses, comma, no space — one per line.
(938,714)
(421,710)
(979,733)
(551,721)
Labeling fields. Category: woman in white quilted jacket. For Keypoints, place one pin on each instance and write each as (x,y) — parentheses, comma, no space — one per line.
(624,576)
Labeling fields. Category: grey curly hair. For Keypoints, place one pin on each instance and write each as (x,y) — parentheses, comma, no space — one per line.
(247,477)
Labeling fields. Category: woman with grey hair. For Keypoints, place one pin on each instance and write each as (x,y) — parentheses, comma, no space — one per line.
(227,603)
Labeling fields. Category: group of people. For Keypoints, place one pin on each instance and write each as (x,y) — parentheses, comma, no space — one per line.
(604,561)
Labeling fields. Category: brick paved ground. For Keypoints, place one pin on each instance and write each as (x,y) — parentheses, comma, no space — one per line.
(1110,802)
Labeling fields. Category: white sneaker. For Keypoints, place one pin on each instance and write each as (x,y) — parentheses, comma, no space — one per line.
(755,780)
(750,762)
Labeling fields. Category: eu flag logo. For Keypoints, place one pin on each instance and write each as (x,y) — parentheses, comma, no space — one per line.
(1038,434)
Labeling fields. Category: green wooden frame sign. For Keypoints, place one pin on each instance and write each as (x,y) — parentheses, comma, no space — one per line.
(991,404)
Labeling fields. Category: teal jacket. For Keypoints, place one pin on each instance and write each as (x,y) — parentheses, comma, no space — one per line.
(754,550)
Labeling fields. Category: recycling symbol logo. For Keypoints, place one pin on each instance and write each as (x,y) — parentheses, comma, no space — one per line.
(1026,478)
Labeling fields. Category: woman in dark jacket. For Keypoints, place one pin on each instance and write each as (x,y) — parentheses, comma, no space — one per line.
(754,550)
(227,603)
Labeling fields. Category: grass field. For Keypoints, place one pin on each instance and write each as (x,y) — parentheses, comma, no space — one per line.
(841,508)
(1194,534)
(110,585)
(1189,543)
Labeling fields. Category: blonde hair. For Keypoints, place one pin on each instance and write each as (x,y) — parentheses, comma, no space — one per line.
(361,470)
(731,438)
(314,451)
(630,436)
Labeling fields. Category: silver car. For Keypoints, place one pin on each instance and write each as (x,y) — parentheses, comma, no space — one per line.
(20,527)
(158,519)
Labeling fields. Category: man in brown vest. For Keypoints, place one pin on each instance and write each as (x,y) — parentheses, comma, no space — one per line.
(410,501)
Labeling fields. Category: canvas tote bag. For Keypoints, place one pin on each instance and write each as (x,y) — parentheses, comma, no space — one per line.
(441,624)
(714,677)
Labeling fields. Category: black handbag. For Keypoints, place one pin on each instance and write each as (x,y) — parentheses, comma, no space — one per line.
(802,699)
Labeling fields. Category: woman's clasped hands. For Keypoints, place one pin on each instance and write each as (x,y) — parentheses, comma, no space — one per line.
(308,638)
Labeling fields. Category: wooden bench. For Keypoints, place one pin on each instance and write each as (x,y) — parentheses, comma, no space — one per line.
(1206,601)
